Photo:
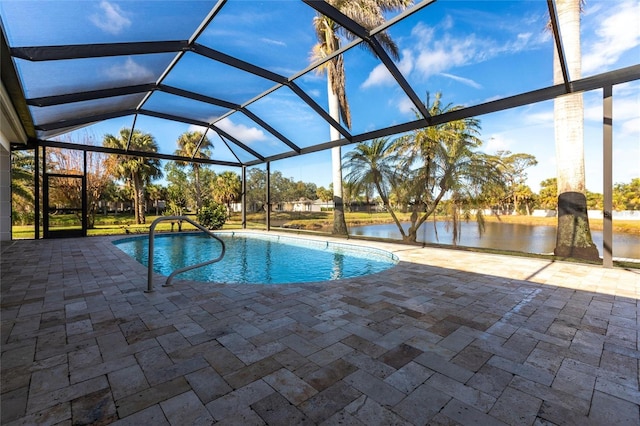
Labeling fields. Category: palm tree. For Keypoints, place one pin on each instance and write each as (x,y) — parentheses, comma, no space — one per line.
(324,194)
(523,194)
(573,236)
(156,193)
(369,14)
(227,189)
(441,159)
(374,164)
(190,145)
(136,171)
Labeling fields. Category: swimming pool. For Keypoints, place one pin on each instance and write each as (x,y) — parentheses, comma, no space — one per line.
(258,259)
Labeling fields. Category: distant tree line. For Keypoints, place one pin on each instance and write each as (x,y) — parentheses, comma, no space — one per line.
(417,173)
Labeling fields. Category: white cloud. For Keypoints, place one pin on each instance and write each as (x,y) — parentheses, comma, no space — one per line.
(274,42)
(625,108)
(447,53)
(406,62)
(447,23)
(626,111)
(199,129)
(631,88)
(462,80)
(130,70)
(380,76)
(422,34)
(405,105)
(521,42)
(615,35)
(631,127)
(433,50)
(314,93)
(241,132)
(539,118)
(497,142)
(283,108)
(111,19)
(593,113)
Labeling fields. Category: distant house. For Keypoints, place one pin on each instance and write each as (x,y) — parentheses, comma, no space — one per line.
(543,213)
(362,206)
(319,205)
(302,205)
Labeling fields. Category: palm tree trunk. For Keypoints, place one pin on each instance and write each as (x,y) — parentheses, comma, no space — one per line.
(385,201)
(196,172)
(134,182)
(142,205)
(413,229)
(339,221)
(573,236)
(138,199)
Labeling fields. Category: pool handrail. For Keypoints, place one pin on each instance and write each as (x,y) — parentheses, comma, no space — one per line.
(152,230)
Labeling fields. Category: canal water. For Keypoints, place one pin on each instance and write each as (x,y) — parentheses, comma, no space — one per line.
(503,236)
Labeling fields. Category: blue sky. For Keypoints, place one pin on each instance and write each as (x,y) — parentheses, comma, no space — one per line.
(471,63)
(472,52)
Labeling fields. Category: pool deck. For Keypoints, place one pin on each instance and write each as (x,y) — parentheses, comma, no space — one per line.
(444,338)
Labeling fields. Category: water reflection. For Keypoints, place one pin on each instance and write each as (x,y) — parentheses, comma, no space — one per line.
(504,236)
(337,266)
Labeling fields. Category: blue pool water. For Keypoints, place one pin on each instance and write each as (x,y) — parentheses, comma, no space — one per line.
(256,258)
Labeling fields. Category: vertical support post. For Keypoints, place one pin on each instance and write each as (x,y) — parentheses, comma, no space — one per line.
(244,197)
(45,195)
(268,195)
(85,209)
(36,190)
(607,173)
(152,230)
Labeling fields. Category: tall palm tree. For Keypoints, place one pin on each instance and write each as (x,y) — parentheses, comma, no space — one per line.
(188,147)
(136,171)
(573,236)
(369,14)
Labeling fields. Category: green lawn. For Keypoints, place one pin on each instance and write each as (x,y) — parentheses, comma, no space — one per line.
(125,224)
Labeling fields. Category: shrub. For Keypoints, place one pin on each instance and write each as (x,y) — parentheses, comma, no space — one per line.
(212,215)
(22,218)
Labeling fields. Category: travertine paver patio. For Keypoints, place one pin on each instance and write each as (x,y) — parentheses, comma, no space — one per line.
(446,337)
